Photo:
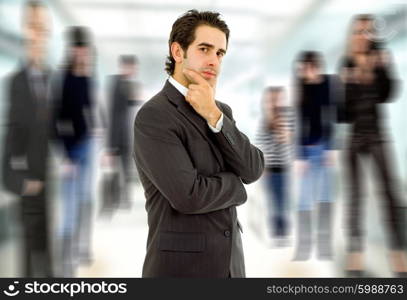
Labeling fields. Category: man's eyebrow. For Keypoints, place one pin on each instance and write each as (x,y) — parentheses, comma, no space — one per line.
(211,46)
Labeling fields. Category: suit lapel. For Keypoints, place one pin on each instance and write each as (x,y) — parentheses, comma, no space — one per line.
(29,86)
(189,113)
(29,95)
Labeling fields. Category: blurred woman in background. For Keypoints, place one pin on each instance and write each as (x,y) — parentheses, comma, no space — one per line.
(275,138)
(368,80)
(74,125)
(315,111)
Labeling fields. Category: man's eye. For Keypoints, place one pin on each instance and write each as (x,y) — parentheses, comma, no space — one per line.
(221,54)
(204,49)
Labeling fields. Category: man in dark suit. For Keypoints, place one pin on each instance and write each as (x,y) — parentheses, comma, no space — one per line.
(26,142)
(124,99)
(193,160)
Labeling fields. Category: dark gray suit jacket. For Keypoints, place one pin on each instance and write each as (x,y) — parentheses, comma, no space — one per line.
(27,134)
(122,110)
(193,181)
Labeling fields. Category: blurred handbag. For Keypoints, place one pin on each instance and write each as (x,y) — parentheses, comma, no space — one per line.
(110,188)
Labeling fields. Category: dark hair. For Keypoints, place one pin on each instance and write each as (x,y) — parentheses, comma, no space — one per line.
(183,31)
(363,17)
(34,4)
(78,36)
(312,57)
(273,89)
(128,59)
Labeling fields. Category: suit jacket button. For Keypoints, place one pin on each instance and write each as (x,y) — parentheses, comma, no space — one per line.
(227,233)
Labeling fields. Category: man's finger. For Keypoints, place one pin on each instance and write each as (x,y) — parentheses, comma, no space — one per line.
(192,93)
(194,76)
(193,86)
(188,97)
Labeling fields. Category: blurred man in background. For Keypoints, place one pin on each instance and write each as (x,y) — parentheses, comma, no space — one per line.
(25,164)
(124,98)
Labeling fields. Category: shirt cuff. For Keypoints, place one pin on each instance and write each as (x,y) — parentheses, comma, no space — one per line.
(219,125)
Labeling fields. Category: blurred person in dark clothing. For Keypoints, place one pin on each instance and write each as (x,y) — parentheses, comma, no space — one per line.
(74,125)
(124,96)
(275,139)
(315,106)
(369,82)
(25,164)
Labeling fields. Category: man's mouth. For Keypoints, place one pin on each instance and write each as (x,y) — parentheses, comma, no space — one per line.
(209,74)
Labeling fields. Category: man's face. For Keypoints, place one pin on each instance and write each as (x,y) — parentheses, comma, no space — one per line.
(204,55)
(36,30)
(129,70)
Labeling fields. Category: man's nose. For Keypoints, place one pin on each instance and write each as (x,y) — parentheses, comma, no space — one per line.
(213,61)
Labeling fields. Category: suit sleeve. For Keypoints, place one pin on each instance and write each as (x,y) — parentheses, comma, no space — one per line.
(243,158)
(15,163)
(161,155)
(111,137)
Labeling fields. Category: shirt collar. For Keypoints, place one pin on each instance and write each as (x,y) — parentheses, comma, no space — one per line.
(182,89)
(34,72)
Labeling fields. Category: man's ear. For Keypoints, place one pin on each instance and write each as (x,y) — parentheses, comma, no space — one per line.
(177,52)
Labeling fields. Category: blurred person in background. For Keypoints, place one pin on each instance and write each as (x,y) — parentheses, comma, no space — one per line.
(315,107)
(75,122)
(25,161)
(369,82)
(275,139)
(124,99)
